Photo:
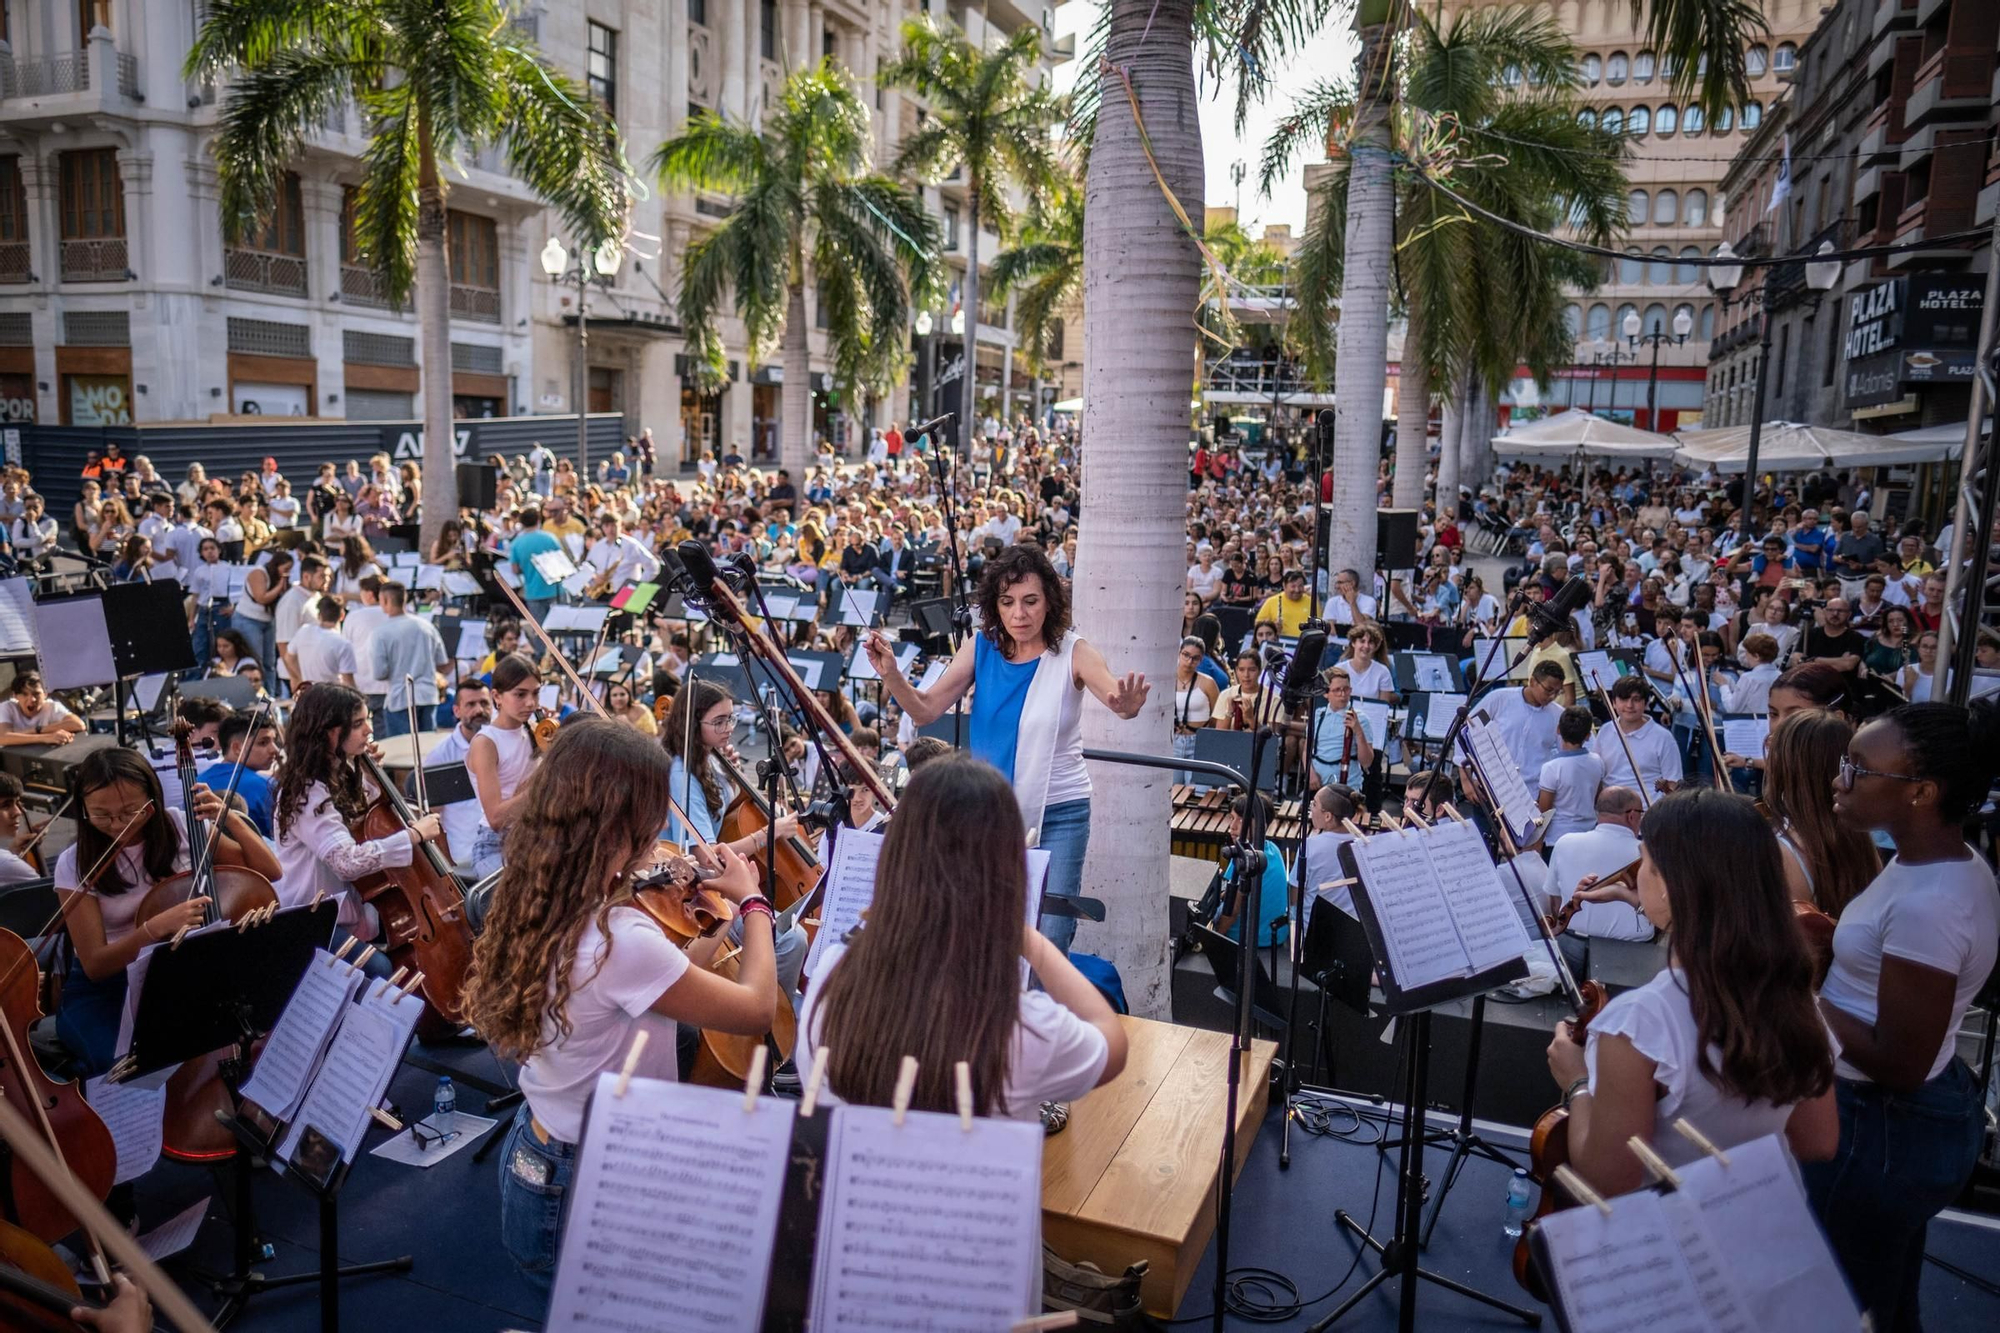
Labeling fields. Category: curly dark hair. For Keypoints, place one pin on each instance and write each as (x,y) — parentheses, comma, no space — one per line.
(312,755)
(1005,570)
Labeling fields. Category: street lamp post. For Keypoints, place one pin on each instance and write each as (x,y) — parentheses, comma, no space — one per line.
(1683,326)
(601,262)
(927,330)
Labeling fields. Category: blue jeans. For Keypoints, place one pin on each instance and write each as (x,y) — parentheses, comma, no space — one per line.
(1065,836)
(1903,1157)
(209,621)
(538,607)
(486,850)
(263,637)
(534,1186)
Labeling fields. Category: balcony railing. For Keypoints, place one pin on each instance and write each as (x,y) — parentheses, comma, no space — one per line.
(361,286)
(45,76)
(1266,378)
(480,303)
(260,271)
(103,259)
(128,76)
(13,261)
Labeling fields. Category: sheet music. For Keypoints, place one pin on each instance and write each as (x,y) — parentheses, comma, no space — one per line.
(673,1210)
(860,668)
(1623,1273)
(1597,668)
(461,584)
(1501,771)
(927,1225)
(354,1074)
(576,619)
(850,887)
(146,690)
(1432,672)
(1481,908)
(1746,736)
(1720,1299)
(429,578)
(1374,715)
(1756,1212)
(133,1114)
(1444,706)
(300,1037)
(1410,907)
(577,582)
(17,617)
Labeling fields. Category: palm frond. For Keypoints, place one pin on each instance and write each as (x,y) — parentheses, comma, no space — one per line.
(247,33)
(1711,39)
(269,111)
(562,145)
(1305,129)
(710,154)
(385,204)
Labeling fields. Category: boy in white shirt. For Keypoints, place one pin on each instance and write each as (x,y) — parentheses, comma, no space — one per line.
(1752,691)
(1570,781)
(1651,745)
(31,717)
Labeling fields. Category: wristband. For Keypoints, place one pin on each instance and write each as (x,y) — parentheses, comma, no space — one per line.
(758,903)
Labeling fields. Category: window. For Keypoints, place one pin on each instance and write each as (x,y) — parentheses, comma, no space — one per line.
(13,203)
(1666,118)
(1832,354)
(93,197)
(1642,67)
(1593,70)
(1573,320)
(1660,272)
(767,25)
(1638,207)
(1688,274)
(1707,322)
(1616,68)
(284,231)
(698,12)
(951,229)
(1638,122)
(474,247)
(1655,318)
(1666,208)
(1784,352)
(1670,65)
(1787,58)
(1697,209)
(1511,76)
(1753,115)
(1691,121)
(1725,120)
(601,67)
(827,43)
(1618,324)
(1631,269)
(1614,121)
(1756,60)
(1587,118)
(1599,323)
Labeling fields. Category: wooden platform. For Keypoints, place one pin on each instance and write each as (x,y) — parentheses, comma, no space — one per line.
(1133,1176)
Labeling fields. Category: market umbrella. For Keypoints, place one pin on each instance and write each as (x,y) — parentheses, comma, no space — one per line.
(1788,446)
(1574,431)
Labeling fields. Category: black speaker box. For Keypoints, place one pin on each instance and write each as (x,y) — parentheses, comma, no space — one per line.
(1396,538)
(478,485)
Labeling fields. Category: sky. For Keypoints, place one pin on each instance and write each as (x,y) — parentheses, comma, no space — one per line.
(1331,50)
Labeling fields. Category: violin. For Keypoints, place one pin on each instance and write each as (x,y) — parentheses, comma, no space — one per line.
(1548,1146)
(1627,875)
(37,1290)
(72,1128)
(670,892)
(421,905)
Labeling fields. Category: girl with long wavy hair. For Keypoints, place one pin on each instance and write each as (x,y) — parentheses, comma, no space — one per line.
(112,787)
(935,972)
(567,968)
(1728,1036)
(1827,862)
(322,790)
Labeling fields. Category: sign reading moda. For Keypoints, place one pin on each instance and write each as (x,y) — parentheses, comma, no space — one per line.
(1918,330)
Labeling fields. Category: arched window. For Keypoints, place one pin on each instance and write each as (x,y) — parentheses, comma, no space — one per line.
(1613,121)
(1725,120)
(1660,272)
(1686,274)
(1598,325)
(1593,70)
(1691,121)
(1638,122)
(1511,76)
(1573,320)
(1587,118)
(1638,207)
(1786,59)
(1666,208)
(1642,67)
(1666,118)
(1756,60)
(1618,321)
(1615,68)
(1696,214)
(1753,115)
(1707,322)
(1655,318)
(1632,268)
(1670,65)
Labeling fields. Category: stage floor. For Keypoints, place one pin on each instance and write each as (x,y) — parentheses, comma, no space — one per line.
(447,1219)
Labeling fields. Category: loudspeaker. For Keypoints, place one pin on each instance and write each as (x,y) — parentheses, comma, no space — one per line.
(149,628)
(1396,538)
(478,485)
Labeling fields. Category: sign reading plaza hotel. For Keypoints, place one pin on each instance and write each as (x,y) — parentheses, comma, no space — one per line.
(1909,332)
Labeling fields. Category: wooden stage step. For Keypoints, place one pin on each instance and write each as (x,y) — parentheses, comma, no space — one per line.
(1133,1176)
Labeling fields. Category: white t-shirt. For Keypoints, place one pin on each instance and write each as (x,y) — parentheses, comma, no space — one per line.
(1657,1019)
(1530,732)
(1752,691)
(121,910)
(297,607)
(1323,867)
(52,712)
(324,654)
(1206,582)
(1599,850)
(1370,682)
(606,1006)
(1573,777)
(1944,915)
(1054,1056)
(1652,747)
(362,622)
(460,818)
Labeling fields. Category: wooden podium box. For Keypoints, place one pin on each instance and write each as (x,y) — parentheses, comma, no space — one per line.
(1134,1175)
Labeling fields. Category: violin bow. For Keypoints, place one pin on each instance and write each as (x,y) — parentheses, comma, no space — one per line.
(43,831)
(416,748)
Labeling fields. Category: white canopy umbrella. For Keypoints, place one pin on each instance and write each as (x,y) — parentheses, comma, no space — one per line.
(1787,446)
(1068,405)
(1574,431)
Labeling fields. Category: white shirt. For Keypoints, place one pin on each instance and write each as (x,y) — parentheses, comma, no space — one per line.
(207,582)
(319,855)
(460,818)
(1206,582)
(294,609)
(1323,867)
(52,712)
(324,654)
(516,750)
(1652,747)
(1530,732)
(1370,682)
(13,870)
(121,910)
(1340,611)
(362,622)
(1657,1020)
(1597,851)
(606,1005)
(284,510)
(1054,1056)
(1752,691)
(183,542)
(1945,915)
(1573,778)
(36,539)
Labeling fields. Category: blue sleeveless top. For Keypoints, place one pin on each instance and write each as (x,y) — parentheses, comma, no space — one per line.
(1000,688)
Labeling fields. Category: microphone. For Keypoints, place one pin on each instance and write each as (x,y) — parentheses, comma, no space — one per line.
(700,565)
(1302,676)
(1545,618)
(935,423)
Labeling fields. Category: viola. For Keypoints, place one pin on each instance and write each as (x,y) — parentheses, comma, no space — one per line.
(421,905)
(73,1129)
(797,869)
(1548,1147)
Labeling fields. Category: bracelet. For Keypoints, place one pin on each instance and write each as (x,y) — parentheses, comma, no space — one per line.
(757,902)
(1579,1088)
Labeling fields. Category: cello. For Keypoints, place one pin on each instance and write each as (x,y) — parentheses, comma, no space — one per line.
(79,1138)
(1548,1144)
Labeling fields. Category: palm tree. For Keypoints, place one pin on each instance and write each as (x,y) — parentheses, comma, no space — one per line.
(807,208)
(990,119)
(435,82)
(1043,271)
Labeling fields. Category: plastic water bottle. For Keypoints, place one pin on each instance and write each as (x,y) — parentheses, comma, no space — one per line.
(1520,1202)
(444,1108)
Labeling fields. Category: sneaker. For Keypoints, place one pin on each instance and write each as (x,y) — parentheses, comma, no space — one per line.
(1055,1116)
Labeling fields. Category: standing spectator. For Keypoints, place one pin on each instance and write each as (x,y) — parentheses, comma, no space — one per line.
(406,651)
(35,534)
(208,588)
(323,654)
(299,605)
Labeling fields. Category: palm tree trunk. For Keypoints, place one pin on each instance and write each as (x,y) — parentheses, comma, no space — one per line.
(1450,433)
(968,388)
(1476,446)
(1413,413)
(795,452)
(1360,370)
(1141,277)
(433,302)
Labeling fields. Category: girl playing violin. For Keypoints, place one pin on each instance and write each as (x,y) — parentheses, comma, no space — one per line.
(1728,1035)
(502,754)
(321,792)
(120,800)
(568,969)
(935,973)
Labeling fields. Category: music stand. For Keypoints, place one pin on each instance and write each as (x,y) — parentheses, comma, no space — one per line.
(1266,999)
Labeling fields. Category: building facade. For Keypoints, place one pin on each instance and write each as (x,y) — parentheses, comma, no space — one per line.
(121,301)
